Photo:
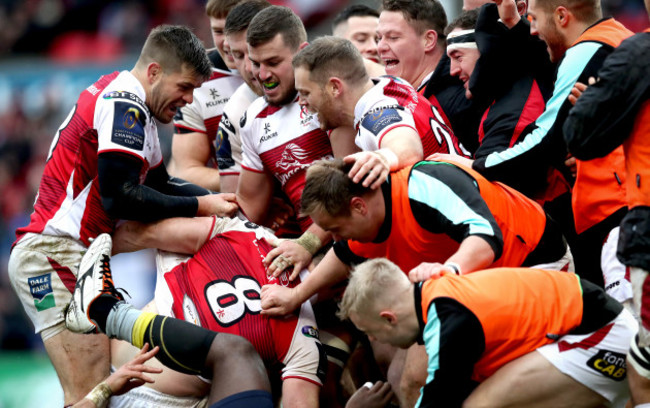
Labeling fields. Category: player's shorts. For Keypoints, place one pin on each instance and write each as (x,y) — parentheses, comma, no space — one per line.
(615,274)
(597,359)
(141,397)
(43,271)
(306,358)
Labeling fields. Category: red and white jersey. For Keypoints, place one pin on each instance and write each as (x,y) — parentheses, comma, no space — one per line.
(228,141)
(110,116)
(284,140)
(204,113)
(393,102)
(219,289)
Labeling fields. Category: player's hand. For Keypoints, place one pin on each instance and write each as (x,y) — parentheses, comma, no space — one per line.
(370,167)
(578,89)
(375,396)
(508,12)
(451,158)
(427,270)
(223,205)
(287,254)
(278,300)
(132,374)
(279,213)
(570,162)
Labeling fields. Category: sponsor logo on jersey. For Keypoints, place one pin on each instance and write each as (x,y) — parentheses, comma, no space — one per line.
(214,93)
(124,95)
(309,331)
(128,126)
(378,119)
(293,159)
(41,289)
(268,135)
(189,311)
(610,364)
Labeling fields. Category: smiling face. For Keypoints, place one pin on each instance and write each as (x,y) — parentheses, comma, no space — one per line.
(316,100)
(401,48)
(219,39)
(463,61)
(170,92)
(361,31)
(271,65)
(239,53)
(543,25)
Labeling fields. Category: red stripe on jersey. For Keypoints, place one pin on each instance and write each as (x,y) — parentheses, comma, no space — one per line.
(533,108)
(268,111)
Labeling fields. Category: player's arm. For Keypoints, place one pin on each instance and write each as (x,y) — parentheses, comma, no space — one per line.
(342,141)
(190,153)
(254,193)
(124,197)
(605,113)
(454,341)
(181,235)
(279,300)
(297,252)
(457,209)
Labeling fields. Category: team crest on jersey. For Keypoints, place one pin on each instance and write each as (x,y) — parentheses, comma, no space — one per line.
(379,118)
(128,126)
(41,289)
(309,331)
(610,364)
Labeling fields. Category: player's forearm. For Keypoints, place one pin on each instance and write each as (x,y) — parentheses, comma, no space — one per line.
(329,272)
(202,176)
(474,254)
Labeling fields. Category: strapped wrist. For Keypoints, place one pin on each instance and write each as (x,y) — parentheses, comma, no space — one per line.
(310,242)
(100,395)
(454,267)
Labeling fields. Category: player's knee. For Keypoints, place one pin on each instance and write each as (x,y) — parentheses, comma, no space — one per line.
(228,347)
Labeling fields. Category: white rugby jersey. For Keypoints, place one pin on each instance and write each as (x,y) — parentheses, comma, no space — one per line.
(284,140)
(393,102)
(204,113)
(228,140)
(110,116)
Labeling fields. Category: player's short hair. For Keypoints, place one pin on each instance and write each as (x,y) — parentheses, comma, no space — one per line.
(276,20)
(219,8)
(422,15)
(329,189)
(173,47)
(242,14)
(465,21)
(373,284)
(355,10)
(587,11)
(332,56)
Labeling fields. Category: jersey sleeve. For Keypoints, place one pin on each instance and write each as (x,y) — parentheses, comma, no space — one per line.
(445,199)
(343,251)
(605,113)
(381,119)
(454,341)
(545,143)
(121,120)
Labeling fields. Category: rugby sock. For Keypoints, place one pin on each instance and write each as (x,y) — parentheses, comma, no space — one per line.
(121,320)
(254,398)
(184,346)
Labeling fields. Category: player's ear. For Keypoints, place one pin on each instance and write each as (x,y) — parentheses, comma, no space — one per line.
(303,45)
(154,71)
(359,205)
(389,316)
(335,86)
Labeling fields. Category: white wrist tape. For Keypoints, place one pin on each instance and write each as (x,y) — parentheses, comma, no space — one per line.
(390,158)
(453,266)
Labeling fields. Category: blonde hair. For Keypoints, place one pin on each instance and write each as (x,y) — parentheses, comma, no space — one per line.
(374,284)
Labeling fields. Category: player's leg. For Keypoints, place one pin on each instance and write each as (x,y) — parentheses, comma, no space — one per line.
(577,371)
(639,356)
(238,373)
(43,270)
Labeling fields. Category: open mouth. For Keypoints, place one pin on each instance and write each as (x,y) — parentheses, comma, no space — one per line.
(391,63)
(268,86)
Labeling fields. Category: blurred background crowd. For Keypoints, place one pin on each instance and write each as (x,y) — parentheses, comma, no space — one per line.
(50,50)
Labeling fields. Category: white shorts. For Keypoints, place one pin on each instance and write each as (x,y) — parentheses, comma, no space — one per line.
(615,274)
(43,271)
(639,278)
(565,263)
(142,397)
(306,355)
(597,359)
